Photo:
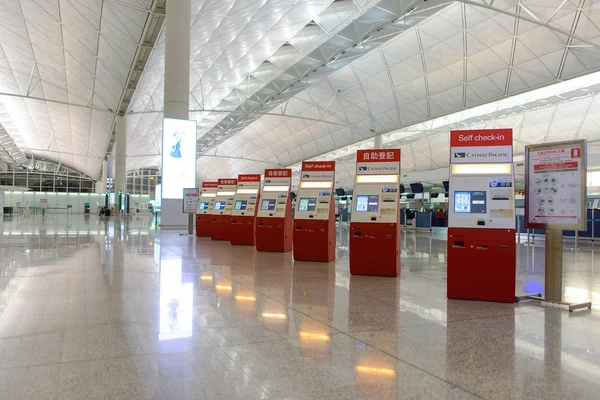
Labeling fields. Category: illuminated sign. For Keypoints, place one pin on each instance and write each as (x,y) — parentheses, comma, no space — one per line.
(178,157)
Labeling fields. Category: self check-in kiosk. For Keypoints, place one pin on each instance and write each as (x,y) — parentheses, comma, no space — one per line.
(481,216)
(243,215)
(222,207)
(205,206)
(274,214)
(314,219)
(375,226)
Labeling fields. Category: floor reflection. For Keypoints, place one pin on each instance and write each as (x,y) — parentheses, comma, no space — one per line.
(95,307)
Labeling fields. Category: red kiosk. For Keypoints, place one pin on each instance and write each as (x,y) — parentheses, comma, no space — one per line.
(314,220)
(243,215)
(274,216)
(221,213)
(375,226)
(481,216)
(205,206)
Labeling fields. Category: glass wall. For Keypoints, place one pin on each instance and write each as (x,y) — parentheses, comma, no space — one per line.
(45,176)
(143,181)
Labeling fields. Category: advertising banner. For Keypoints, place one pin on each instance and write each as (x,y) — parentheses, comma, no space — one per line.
(43,203)
(318,171)
(378,162)
(178,157)
(481,146)
(190,200)
(555,185)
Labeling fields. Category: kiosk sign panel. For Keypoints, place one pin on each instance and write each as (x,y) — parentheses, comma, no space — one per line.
(378,162)
(481,146)
(555,185)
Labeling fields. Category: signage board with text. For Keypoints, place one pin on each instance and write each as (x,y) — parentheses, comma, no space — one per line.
(190,200)
(481,146)
(378,162)
(555,185)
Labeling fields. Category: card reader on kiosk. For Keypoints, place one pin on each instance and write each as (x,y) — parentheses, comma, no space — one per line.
(481,217)
(243,215)
(375,226)
(274,214)
(314,219)
(222,207)
(205,206)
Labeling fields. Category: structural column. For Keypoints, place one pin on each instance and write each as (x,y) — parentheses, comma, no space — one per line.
(378,142)
(177,89)
(120,160)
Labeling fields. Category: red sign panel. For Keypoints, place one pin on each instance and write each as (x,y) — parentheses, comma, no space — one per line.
(227,182)
(249,178)
(384,155)
(210,184)
(484,137)
(555,166)
(318,165)
(278,173)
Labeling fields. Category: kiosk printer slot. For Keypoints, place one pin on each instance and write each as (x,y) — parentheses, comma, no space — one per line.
(481,216)
(221,213)
(314,219)
(274,215)
(205,206)
(243,215)
(375,226)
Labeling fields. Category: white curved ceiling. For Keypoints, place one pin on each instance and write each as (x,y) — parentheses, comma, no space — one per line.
(63,67)
(275,82)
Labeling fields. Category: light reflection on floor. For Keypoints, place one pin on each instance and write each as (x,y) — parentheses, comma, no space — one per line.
(93,308)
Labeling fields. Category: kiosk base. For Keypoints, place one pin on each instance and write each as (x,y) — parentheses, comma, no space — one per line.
(481,264)
(273,234)
(220,229)
(314,240)
(203,225)
(374,249)
(242,230)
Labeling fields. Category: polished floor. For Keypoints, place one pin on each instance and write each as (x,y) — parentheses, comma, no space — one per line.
(92,309)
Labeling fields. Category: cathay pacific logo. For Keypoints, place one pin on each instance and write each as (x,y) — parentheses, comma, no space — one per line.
(459,155)
(363,168)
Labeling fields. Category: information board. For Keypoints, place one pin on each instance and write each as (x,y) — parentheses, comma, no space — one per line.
(555,186)
(190,200)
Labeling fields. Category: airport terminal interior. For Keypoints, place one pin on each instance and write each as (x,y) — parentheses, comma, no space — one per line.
(299,199)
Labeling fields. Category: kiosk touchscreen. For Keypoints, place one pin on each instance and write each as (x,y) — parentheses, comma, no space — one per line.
(243,215)
(222,207)
(375,226)
(205,207)
(274,214)
(481,216)
(314,219)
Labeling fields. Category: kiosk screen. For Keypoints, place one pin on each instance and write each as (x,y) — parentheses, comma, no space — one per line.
(470,202)
(240,205)
(368,203)
(307,204)
(267,205)
(203,205)
(220,205)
